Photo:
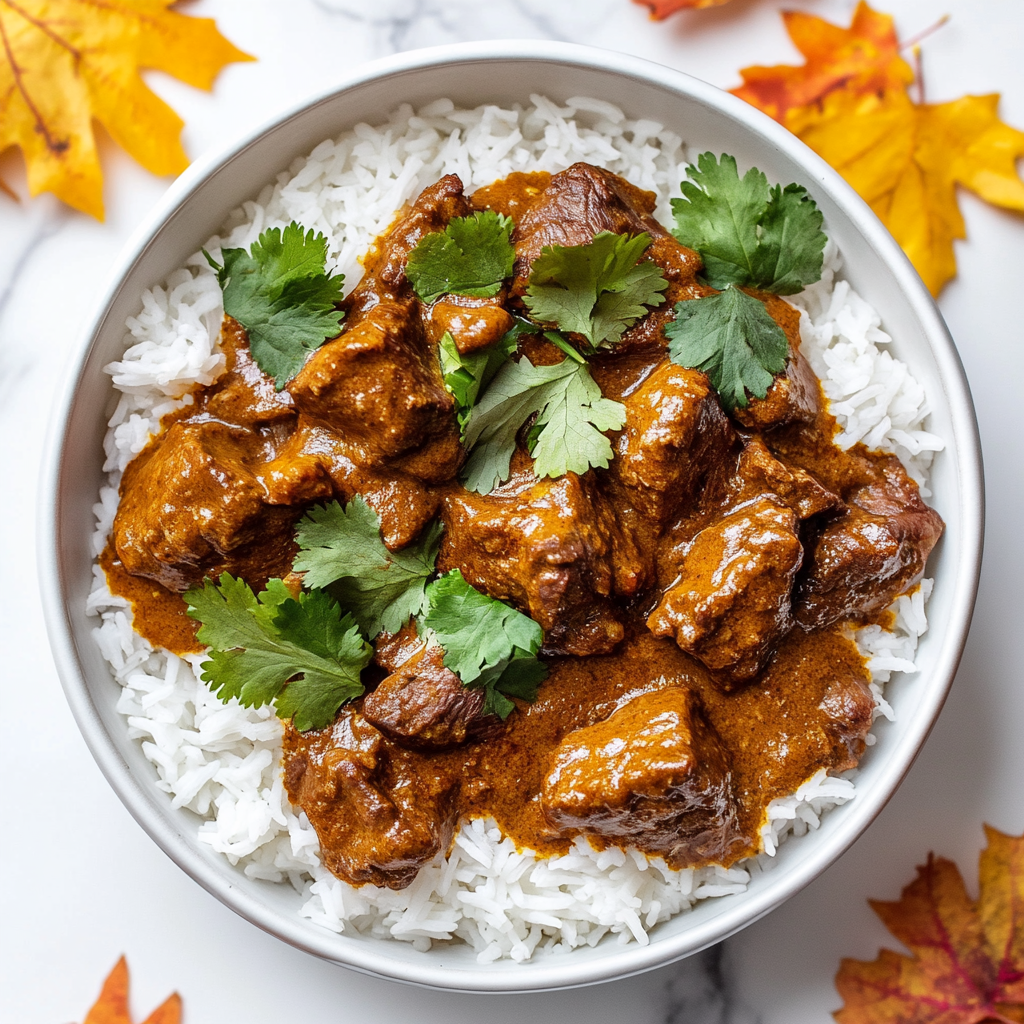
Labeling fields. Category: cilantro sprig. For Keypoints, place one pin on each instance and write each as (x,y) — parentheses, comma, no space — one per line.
(733,339)
(305,654)
(301,654)
(472,256)
(748,233)
(280,293)
(567,435)
(466,376)
(597,289)
(340,547)
(486,642)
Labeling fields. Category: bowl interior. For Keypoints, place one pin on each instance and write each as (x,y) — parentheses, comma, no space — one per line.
(507,73)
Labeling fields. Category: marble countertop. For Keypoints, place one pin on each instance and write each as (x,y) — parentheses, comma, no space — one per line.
(82,883)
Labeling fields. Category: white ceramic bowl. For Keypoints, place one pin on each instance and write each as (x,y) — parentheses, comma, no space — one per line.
(505,72)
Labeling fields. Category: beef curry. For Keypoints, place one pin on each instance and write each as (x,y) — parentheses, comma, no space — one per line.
(696,596)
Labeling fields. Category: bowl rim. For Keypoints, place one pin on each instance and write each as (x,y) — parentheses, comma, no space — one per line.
(631,959)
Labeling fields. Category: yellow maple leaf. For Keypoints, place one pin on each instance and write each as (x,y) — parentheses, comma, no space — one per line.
(906,159)
(64,63)
(112,1005)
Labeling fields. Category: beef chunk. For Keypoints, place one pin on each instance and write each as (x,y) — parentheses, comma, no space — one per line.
(579,203)
(583,201)
(653,775)
(551,548)
(244,395)
(473,323)
(675,430)
(760,472)
(392,650)
(379,384)
(376,823)
(423,705)
(385,264)
(795,394)
(849,710)
(404,502)
(193,503)
(732,601)
(869,556)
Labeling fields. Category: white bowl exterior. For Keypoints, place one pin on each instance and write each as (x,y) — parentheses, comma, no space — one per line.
(506,72)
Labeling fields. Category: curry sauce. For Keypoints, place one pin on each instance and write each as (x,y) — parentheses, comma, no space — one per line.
(697,596)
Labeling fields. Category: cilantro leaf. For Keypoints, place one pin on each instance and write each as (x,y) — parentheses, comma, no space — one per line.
(264,645)
(520,677)
(341,548)
(477,632)
(746,233)
(472,256)
(571,415)
(791,250)
(280,294)
(718,216)
(733,339)
(465,376)
(597,289)
(337,654)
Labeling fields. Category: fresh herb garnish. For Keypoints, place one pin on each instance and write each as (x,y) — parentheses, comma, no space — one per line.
(571,413)
(746,232)
(521,677)
(596,290)
(279,292)
(341,548)
(733,339)
(487,643)
(472,256)
(465,376)
(301,654)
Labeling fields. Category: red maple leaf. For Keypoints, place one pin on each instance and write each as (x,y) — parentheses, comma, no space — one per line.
(967,965)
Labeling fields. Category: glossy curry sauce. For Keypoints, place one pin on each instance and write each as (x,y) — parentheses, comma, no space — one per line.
(809,709)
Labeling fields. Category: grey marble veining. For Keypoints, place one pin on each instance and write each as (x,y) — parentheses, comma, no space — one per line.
(41,220)
(404,24)
(702,990)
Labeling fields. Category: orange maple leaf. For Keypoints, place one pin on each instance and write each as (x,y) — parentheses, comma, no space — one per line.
(112,1005)
(968,956)
(64,63)
(864,58)
(906,159)
(661,9)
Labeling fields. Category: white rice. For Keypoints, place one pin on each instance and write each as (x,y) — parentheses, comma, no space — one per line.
(223,761)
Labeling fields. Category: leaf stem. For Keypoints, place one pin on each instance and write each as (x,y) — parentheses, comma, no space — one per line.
(923,35)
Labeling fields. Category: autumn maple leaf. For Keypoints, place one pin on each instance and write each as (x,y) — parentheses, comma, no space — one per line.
(112,1005)
(64,63)
(968,957)
(661,9)
(862,59)
(850,103)
(906,159)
